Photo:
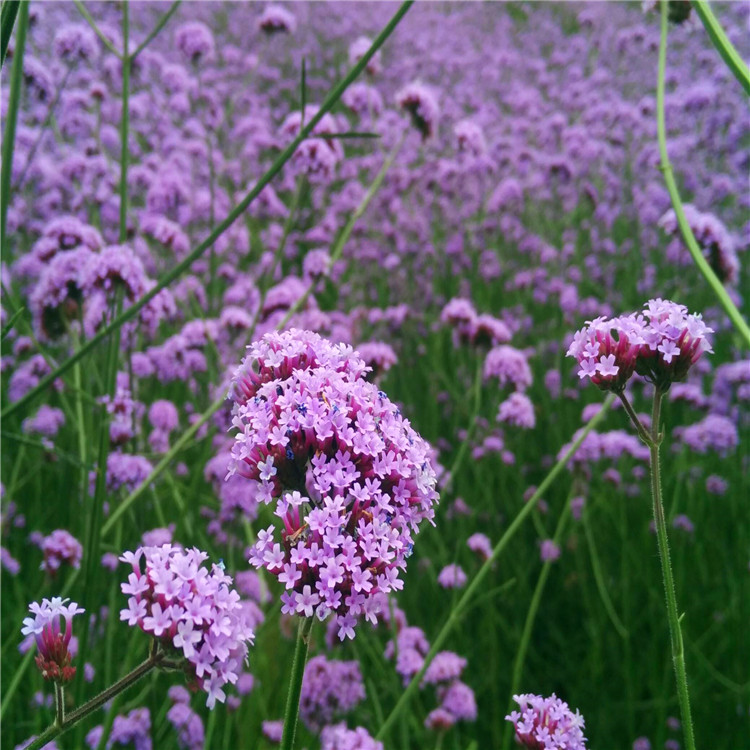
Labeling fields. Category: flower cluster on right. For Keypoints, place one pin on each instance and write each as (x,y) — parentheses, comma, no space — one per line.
(660,344)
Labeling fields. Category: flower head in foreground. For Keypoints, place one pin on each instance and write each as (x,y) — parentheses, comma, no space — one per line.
(53,659)
(191,611)
(661,344)
(547,724)
(349,477)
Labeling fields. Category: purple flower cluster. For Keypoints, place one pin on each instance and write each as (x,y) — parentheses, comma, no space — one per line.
(191,611)
(330,689)
(661,344)
(547,724)
(58,548)
(349,477)
(421,104)
(52,641)
(132,730)
(338,737)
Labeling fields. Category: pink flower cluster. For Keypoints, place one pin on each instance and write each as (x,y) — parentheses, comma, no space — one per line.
(660,344)
(191,611)
(53,659)
(547,724)
(58,548)
(350,479)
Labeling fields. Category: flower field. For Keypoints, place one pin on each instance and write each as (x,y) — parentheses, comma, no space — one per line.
(375,375)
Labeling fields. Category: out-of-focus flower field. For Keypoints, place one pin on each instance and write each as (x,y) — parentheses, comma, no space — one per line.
(287,416)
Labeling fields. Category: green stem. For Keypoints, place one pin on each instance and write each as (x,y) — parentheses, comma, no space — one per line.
(333,96)
(124,122)
(159,26)
(599,578)
(59,704)
(56,729)
(341,240)
(100,486)
(528,626)
(726,49)
(185,438)
(673,618)
(464,449)
(7,20)
(295,683)
(43,128)
(11,118)
(640,429)
(470,590)
(687,233)
(91,22)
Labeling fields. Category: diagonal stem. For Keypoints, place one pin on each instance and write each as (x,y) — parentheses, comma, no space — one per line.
(720,40)
(457,611)
(333,96)
(730,308)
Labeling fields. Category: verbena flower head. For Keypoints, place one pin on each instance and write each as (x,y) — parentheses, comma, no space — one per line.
(420,102)
(349,477)
(330,688)
(277,19)
(191,611)
(195,41)
(338,737)
(52,639)
(661,344)
(547,724)
(58,548)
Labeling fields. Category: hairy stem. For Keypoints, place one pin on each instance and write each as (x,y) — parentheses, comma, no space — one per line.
(295,683)
(673,618)
(58,728)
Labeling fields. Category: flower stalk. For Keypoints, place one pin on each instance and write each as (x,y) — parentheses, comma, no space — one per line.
(64,722)
(295,683)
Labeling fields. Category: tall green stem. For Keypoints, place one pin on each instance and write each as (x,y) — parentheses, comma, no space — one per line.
(675,632)
(7,19)
(9,135)
(124,122)
(726,49)
(333,96)
(295,683)
(674,194)
(458,609)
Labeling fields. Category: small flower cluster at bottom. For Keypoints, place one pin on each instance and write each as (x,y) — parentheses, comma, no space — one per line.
(192,612)
(547,724)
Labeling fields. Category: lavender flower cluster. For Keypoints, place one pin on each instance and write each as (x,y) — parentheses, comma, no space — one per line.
(349,477)
(661,344)
(191,611)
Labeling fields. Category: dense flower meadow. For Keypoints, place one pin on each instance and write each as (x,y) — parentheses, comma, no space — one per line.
(371,380)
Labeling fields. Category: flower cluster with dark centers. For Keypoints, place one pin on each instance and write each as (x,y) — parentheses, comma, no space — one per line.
(661,344)
(52,641)
(350,478)
(191,611)
(547,724)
